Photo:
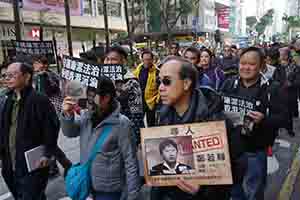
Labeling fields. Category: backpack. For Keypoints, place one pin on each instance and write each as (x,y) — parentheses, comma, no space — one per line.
(78,178)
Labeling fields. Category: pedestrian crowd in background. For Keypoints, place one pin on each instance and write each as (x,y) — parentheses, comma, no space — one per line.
(188,86)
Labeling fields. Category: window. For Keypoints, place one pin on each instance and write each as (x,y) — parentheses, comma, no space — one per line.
(87,7)
(113,8)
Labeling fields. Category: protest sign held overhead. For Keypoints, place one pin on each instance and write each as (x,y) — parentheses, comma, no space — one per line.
(88,73)
(197,153)
(24,48)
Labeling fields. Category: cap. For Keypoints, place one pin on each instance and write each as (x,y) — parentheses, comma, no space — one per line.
(106,87)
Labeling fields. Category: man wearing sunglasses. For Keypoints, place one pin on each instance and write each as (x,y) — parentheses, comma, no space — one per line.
(182,103)
(174,49)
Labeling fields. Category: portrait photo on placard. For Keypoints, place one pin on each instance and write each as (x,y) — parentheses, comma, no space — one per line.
(170,156)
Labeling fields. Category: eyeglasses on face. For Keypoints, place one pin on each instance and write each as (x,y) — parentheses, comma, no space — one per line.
(9,76)
(165,81)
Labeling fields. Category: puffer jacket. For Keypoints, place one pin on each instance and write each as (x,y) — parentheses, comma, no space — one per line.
(115,167)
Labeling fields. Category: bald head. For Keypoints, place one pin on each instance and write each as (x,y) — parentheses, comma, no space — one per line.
(178,78)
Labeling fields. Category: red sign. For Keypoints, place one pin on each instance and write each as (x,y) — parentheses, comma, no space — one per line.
(35,33)
(223,17)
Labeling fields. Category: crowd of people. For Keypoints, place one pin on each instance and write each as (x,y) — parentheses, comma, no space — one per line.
(187,86)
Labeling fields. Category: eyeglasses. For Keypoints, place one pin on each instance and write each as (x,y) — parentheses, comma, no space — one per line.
(165,81)
(9,76)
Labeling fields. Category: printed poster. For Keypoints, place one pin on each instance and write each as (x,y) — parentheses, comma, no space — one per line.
(197,153)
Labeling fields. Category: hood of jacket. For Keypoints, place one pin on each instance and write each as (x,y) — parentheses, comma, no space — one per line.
(197,111)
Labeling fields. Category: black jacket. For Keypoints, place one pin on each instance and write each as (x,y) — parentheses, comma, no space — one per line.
(161,169)
(290,83)
(37,125)
(230,65)
(272,106)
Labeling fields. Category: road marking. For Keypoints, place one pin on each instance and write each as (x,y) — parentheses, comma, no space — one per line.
(288,185)
(5,196)
(273,164)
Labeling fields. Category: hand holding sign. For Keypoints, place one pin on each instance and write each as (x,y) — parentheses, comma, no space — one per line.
(256,116)
(187,187)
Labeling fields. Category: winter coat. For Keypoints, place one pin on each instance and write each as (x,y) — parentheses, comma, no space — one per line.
(115,167)
(131,101)
(151,95)
(48,83)
(213,77)
(197,112)
(289,78)
(37,125)
(230,65)
(269,102)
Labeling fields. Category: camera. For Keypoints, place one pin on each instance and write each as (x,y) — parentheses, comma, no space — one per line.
(82,103)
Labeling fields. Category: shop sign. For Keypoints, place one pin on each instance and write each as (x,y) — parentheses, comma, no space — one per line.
(223,18)
(7,32)
(53,6)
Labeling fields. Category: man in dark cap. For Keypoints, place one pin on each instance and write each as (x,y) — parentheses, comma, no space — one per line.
(114,171)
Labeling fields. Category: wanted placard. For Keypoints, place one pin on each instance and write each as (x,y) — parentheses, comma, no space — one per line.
(197,153)
(29,48)
(88,73)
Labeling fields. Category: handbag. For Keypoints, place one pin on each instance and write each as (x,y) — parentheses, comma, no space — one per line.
(78,178)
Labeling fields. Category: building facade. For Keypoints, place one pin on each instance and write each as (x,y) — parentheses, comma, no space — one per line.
(86,27)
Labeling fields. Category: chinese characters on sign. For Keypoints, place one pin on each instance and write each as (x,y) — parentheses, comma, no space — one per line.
(237,104)
(88,73)
(237,109)
(21,49)
(197,153)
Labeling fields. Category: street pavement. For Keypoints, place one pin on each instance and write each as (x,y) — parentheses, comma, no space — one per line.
(55,189)
(283,178)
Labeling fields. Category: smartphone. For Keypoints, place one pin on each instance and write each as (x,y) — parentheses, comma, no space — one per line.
(248,126)
(82,103)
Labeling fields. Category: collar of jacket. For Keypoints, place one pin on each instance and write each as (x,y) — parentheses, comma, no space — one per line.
(262,79)
(197,111)
(24,93)
(140,66)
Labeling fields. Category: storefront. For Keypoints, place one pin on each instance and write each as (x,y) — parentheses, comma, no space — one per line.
(80,37)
